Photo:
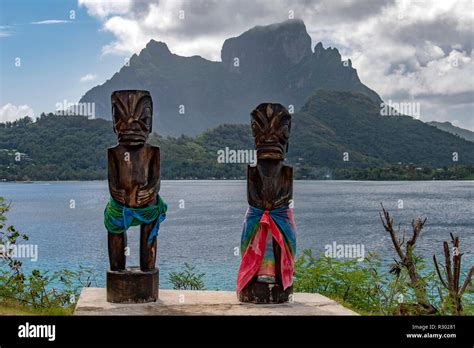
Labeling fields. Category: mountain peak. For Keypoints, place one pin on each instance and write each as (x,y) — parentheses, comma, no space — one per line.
(269,48)
(319,47)
(157,48)
(330,53)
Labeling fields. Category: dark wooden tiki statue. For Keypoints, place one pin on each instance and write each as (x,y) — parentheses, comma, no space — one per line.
(134,182)
(269,239)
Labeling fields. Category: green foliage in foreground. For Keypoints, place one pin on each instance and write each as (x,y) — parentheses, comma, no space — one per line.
(188,279)
(44,293)
(362,287)
(17,308)
(36,292)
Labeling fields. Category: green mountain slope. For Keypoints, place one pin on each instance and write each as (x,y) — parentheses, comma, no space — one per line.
(329,125)
(450,128)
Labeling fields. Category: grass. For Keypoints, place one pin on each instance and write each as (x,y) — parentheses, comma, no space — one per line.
(16,308)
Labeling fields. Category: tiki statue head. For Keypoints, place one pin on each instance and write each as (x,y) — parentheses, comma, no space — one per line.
(132,116)
(271,124)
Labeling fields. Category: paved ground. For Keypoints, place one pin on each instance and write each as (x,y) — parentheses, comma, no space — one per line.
(176,302)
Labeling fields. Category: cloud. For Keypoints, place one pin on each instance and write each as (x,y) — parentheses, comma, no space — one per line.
(104,8)
(197,27)
(51,21)
(417,50)
(10,112)
(88,77)
(5,31)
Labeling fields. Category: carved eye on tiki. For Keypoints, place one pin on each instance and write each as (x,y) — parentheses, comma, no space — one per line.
(285,131)
(255,128)
(146,116)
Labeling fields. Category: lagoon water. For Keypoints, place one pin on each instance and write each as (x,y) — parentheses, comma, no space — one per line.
(207,230)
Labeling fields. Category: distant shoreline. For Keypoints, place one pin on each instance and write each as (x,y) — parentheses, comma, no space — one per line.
(243,180)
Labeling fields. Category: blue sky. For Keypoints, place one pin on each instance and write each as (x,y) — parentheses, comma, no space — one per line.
(417,51)
(54,57)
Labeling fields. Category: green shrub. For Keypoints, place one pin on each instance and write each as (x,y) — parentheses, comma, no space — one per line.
(363,287)
(188,279)
(39,290)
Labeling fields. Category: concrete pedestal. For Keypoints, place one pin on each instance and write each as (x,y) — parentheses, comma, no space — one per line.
(93,301)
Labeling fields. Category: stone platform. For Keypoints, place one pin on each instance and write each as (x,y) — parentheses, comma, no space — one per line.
(190,302)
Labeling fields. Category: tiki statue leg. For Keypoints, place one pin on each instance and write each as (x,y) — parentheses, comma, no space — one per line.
(117,244)
(147,251)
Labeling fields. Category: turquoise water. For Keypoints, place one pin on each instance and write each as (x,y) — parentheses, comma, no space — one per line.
(205,232)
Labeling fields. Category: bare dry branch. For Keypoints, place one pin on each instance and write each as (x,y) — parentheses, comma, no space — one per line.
(387,222)
(447,259)
(407,259)
(438,271)
(453,274)
(467,281)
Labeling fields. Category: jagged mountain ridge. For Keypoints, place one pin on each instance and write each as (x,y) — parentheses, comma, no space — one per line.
(266,63)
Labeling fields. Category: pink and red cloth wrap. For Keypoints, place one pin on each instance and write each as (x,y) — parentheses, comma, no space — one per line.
(260,228)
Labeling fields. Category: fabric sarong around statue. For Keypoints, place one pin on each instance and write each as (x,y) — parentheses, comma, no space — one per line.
(256,256)
(118,217)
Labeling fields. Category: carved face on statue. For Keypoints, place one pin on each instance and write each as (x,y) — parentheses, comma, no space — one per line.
(132,116)
(271,124)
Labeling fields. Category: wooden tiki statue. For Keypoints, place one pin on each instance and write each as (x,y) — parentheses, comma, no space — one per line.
(134,183)
(269,239)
